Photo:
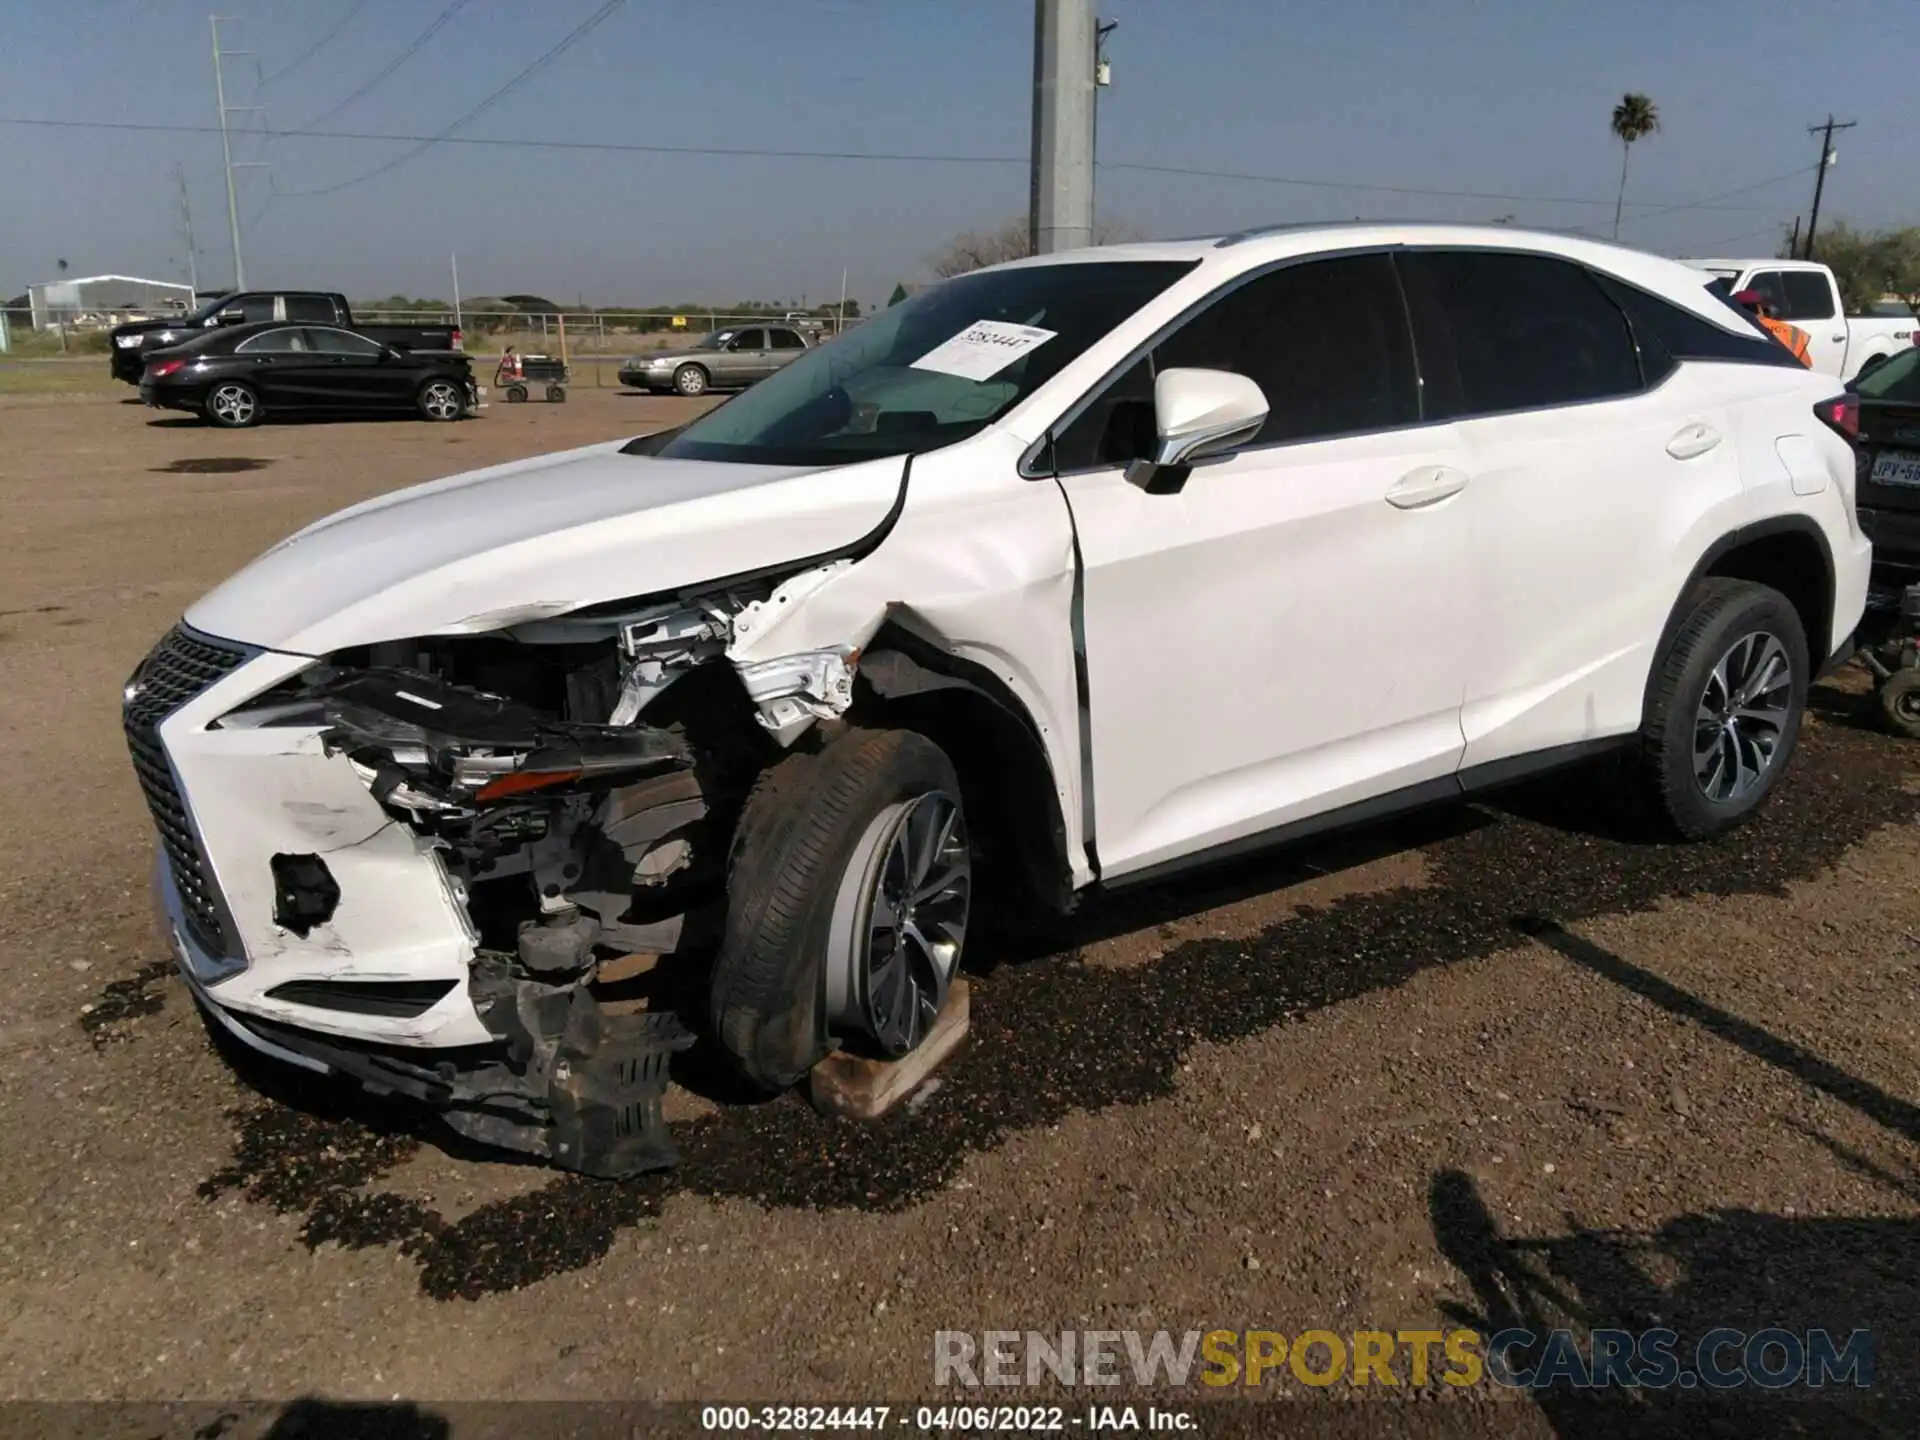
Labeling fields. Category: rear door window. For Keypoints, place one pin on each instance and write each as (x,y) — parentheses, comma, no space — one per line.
(1501,331)
(787,340)
(1809,296)
(271,342)
(309,309)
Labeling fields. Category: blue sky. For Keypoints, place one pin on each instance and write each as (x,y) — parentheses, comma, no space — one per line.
(1503,97)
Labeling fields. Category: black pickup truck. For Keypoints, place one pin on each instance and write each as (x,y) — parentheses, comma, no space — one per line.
(133,342)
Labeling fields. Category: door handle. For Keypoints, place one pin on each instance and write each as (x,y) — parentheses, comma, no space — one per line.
(1837,339)
(1426,486)
(1692,440)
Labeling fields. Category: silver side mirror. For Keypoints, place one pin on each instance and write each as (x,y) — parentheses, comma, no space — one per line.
(1200,415)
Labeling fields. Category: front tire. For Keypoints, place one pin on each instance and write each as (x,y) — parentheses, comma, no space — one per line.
(1724,707)
(232,406)
(441,401)
(848,896)
(690,380)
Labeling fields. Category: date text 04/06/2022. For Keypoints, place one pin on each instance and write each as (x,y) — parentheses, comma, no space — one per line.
(964,1419)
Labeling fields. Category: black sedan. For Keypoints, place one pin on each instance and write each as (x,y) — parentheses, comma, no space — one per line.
(239,375)
(1889,451)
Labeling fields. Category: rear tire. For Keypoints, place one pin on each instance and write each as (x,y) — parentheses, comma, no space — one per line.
(1724,707)
(441,401)
(690,380)
(556,394)
(232,406)
(812,821)
(516,394)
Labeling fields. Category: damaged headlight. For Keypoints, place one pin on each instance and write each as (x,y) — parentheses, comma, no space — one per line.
(430,744)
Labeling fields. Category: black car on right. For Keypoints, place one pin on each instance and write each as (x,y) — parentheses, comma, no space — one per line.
(1889,468)
(239,375)
(1888,502)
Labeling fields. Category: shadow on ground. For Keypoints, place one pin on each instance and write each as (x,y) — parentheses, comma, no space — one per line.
(1735,1270)
(1049,1039)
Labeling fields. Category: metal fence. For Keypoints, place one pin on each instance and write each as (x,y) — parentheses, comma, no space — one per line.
(611,333)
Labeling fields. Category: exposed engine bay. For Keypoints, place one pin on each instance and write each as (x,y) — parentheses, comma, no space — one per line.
(580,778)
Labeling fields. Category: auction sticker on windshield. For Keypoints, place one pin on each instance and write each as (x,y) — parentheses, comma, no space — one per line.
(983,349)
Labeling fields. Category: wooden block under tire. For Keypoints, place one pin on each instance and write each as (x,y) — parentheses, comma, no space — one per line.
(844,1084)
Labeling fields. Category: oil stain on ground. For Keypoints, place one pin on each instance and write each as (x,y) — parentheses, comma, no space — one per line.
(123,1000)
(1060,1036)
(210,465)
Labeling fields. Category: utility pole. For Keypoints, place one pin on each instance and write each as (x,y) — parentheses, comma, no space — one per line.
(1102,78)
(1825,132)
(226,147)
(1060,200)
(186,218)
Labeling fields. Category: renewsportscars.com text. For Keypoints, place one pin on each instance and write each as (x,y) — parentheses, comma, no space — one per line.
(1721,1359)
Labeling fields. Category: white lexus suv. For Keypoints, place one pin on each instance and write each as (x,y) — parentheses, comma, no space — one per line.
(1065,573)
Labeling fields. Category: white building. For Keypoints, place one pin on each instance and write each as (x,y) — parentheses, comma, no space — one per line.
(104,299)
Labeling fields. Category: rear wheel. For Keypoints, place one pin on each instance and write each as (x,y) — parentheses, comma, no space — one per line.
(441,400)
(690,380)
(232,405)
(848,898)
(1900,702)
(556,393)
(1725,706)
(516,394)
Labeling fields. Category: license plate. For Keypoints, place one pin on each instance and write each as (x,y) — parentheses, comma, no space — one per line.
(1896,467)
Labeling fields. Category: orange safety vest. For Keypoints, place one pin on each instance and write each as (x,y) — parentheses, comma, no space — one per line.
(1793,337)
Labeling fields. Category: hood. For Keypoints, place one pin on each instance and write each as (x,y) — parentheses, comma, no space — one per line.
(149,328)
(539,538)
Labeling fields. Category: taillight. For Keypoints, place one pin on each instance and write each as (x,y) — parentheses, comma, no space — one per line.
(456,340)
(1842,416)
(165,368)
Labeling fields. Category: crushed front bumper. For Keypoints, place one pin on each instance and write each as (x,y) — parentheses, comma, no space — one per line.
(508,1060)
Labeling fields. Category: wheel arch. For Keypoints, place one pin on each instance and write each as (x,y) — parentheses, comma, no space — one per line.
(1788,553)
(1007,783)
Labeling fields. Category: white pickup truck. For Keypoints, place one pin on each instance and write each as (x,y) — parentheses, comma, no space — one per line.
(1804,293)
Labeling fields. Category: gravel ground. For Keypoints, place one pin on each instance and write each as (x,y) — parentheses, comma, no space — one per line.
(1512,1063)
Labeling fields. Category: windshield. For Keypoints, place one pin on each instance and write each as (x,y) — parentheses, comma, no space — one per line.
(1898,379)
(930,370)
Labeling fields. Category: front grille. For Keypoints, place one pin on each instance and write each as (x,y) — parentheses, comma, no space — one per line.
(180,667)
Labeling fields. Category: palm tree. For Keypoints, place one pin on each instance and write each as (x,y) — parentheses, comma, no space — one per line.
(1634,118)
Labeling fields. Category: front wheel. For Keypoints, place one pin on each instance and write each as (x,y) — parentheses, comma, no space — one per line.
(1725,706)
(233,406)
(690,380)
(848,897)
(441,400)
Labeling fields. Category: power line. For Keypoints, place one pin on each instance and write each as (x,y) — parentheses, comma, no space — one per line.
(573,37)
(440,21)
(873,156)
(314,49)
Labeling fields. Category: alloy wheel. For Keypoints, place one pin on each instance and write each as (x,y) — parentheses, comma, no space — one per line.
(441,401)
(1742,716)
(231,404)
(900,923)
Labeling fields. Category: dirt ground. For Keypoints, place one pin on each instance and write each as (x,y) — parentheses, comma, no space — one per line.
(1507,1064)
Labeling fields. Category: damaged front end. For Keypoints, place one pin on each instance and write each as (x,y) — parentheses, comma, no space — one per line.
(579,778)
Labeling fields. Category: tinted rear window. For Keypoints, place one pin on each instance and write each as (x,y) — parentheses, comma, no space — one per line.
(1686,336)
